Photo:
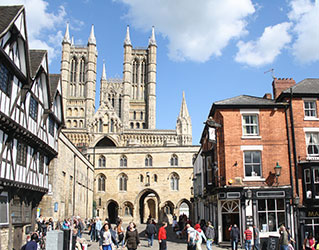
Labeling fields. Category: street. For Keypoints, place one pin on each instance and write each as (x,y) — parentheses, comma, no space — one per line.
(172,241)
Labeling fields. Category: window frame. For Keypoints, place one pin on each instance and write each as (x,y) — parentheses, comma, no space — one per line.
(5,75)
(5,194)
(312,145)
(174,160)
(174,182)
(33,108)
(148,161)
(253,125)
(101,183)
(102,161)
(22,154)
(51,126)
(123,183)
(310,109)
(252,164)
(123,161)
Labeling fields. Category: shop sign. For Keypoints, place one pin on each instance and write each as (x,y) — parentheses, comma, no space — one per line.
(212,134)
(312,213)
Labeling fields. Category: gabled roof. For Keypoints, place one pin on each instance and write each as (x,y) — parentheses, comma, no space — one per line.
(245,100)
(306,86)
(54,81)
(36,57)
(8,14)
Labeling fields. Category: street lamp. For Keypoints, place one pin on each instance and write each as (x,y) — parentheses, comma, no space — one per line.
(277,172)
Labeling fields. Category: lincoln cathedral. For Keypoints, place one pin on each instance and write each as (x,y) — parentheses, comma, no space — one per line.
(140,171)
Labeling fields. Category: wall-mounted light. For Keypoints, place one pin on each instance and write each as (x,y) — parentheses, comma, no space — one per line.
(277,172)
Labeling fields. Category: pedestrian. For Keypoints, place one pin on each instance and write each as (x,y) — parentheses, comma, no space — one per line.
(191,234)
(150,232)
(33,243)
(120,233)
(162,236)
(92,232)
(199,237)
(132,240)
(210,235)
(80,227)
(105,241)
(248,237)
(283,240)
(98,227)
(174,225)
(309,242)
(256,238)
(234,236)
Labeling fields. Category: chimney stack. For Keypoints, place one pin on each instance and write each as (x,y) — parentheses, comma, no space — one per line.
(281,84)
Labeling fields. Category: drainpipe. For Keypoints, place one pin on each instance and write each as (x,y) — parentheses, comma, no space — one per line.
(296,219)
(74,166)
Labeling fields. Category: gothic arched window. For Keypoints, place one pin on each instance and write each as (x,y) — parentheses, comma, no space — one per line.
(174,160)
(174,181)
(148,161)
(112,126)
(132,125)
(100,125)
(123,182)
(143,72)
(123,161)
(102,162)
(73,77)
(101,183)
(82,70)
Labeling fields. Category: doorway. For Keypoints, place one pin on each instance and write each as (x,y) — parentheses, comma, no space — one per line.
(230,217)
(112,210)
(151,208)
(148,205)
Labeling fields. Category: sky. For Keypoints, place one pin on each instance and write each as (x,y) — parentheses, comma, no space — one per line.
(210,49)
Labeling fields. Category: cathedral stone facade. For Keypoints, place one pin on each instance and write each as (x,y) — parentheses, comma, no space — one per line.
(140,171)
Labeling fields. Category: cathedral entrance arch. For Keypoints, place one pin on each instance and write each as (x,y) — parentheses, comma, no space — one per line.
(148,202)
(184,207)
(112,211)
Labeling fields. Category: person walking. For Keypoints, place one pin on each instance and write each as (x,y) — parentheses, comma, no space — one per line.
(132,240)
(210,235)
(105,241)
(234,237)
(92,232)
(98,227)
(162,236)
(120,233)
(283,240)
(199,237)
(309,243)
(150,232)
(256,238)
(32,244)
(248,237)
(191,234)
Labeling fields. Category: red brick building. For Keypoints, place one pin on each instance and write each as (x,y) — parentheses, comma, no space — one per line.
(242,147)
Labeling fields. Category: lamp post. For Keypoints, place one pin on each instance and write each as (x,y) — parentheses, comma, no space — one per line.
(277,172)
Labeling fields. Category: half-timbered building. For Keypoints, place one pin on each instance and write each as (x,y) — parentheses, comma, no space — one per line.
(30,121)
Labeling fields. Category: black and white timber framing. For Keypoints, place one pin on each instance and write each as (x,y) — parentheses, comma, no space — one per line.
(30,121)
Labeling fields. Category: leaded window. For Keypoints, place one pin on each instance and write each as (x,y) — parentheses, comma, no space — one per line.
(101,183)
(123,161)
(174,160)
(33,108)
(51,126)
(250,125)
(102,162)
(5,80)
(22,154)
(252,161)
(123,182)
(310,108)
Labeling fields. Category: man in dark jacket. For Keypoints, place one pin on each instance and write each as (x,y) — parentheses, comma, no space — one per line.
(150,231)
(32,244)
(234,237)
(210,235)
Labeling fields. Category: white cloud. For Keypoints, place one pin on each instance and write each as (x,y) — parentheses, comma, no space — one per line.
(266,48)
(196,30)
(40,22)
(305,14)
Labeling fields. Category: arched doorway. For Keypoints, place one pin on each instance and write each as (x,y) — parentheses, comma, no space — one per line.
(112,210)
(184,209)
(148,201)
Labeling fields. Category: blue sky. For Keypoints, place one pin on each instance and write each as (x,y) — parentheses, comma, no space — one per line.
(210,49)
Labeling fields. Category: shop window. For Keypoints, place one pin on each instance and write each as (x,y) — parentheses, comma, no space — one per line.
(4,208)
(271,214)
(252,161)
(250,125)
(312,140)
(310,109)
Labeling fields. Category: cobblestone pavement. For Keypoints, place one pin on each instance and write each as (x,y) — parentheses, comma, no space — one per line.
(172,241)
